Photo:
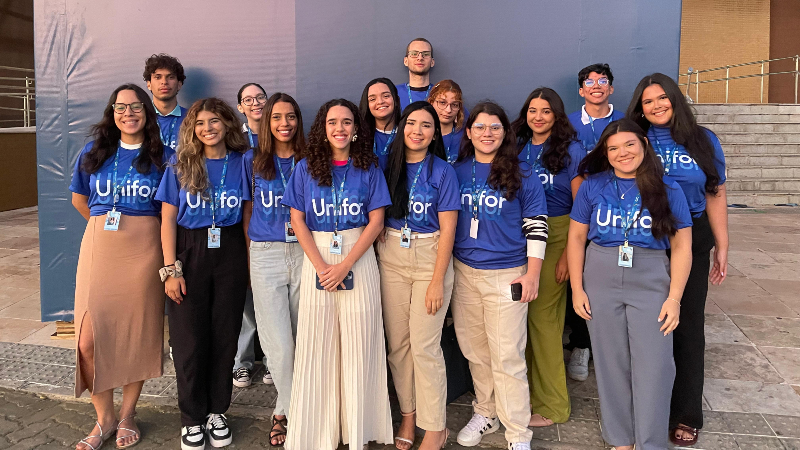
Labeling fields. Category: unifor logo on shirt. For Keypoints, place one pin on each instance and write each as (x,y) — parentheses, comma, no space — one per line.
(609,220)
(229,200)
(490,205)
(270,196)
(349,211)
(140,189)
(680,160)
(420,206)
(546,178)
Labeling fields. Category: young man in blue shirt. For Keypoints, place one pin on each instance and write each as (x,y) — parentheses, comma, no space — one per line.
(595,85)
(419,60)
(164,77)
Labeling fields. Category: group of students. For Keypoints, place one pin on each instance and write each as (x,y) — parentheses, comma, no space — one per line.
(358,239)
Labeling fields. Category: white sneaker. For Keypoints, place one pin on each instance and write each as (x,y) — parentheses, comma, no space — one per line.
(193,438)
(578,367)
(519,446)
(268,377)
(242,377)
(219,434)
(478,426)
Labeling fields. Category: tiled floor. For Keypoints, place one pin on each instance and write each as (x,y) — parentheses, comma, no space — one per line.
(752,390)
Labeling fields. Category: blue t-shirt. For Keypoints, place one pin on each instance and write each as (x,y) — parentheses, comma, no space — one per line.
(410,95)
(250,136)
(268,222)
(683,168)
(598,205)
(193,211)
(136,190)
(501,243)
(434,192)
(381,146)
(364,191)
(452,144)
(589,129)
(170,126)
(557,188)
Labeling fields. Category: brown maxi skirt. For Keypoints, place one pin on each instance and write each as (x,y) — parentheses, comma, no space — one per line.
(118,285)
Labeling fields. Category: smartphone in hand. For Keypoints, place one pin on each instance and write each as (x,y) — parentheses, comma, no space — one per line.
(516,292)
(348,283)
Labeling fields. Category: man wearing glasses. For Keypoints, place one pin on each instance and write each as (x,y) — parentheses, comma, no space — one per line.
(164,77)
(595,86)
(419,60)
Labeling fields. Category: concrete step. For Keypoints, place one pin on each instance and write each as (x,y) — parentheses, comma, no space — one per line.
(763,185)
(746,108)
(748,118)
(764,172)
(756,198)
(770,137)
(760,149)
(775,160)
(720,127)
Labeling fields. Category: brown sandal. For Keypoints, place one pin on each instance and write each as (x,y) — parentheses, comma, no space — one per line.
(683,442)
(277,432)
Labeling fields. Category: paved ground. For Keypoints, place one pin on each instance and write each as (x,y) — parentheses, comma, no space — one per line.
(752,393)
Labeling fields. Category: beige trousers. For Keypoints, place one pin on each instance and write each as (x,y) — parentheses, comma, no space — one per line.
(414,337)
(492,333)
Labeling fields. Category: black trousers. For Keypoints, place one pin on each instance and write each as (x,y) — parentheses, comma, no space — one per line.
(204,328)
(689,341)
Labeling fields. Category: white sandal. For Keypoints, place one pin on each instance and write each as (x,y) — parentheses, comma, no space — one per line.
(135,434)
(402,439)
(102,437)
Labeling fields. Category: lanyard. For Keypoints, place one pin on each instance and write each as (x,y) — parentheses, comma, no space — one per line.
(166,139)
(249,135)
(386,147)
(337,200)
(217,190)
(666,157)
(408,89)
(476,194)
(594,135)
(536,164)
(280,171)
(118,187)
(413,186)
(630,215)
(450,159)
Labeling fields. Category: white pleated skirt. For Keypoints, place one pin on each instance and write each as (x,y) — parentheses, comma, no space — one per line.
(340,386)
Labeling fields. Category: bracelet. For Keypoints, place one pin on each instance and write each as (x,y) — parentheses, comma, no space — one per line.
(174,270)
(670,298)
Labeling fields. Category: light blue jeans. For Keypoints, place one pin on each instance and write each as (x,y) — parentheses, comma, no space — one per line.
(275,269)
(245,349)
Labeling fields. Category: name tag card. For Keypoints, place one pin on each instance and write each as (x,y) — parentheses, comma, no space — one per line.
(214,237)
(405,238)
(112,220)
(473,228)
(625,256)
(289,232)
(336,244)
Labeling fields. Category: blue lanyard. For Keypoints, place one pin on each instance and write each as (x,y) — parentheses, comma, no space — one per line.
(450,159)
(476,194)
(337,200)
(166,139)
(630,215)
(594,135)
(386,147)
(118,187)
(666,157)
(217,190)
(280,171)
(413,186)
(408,89)
(536,164)
(249,135)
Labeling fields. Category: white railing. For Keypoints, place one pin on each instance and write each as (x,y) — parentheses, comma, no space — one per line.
(727,78)
(22,88)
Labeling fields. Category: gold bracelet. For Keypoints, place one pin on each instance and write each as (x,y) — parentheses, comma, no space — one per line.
(670,298)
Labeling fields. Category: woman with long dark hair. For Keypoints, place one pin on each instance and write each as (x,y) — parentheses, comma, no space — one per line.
(380,108)
(624,284)
(338,195)
(119,307)
(275,257)
(447,98)
(417,272)
(205,259)
(692,156)
(499,247)
(548,143)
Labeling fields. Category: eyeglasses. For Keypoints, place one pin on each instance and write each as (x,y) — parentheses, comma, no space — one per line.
(415,53)
(600,82)
(480,128)
(442,104)
(120,108)
(260,98)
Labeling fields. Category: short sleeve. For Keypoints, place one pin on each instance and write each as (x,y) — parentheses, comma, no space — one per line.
(719,156)
(449,193)
(81,180)
(678,205)
(169,190)
(294,197)
(378,195)
(582,206)
(576,154)
(532,200)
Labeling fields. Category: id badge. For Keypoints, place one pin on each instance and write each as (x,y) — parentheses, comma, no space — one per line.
(336,244)
(112,220)
(214,237)
(289,232)
(405,237)
(473,228)
(625,256)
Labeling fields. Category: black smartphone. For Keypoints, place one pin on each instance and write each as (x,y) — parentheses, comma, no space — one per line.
(348,283)
(516,292)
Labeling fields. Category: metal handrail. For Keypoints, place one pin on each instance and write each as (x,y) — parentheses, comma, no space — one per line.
(727,78)
(26,92)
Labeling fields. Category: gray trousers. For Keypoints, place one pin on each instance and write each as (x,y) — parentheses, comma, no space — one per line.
(245,348)
(632,358)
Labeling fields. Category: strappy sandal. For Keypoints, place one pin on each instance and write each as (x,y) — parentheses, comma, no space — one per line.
(402,439)
(102,437)
(135,434)
(683,442)
(276,433)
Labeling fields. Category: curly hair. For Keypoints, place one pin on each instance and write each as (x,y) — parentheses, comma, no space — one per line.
(442,88)
(556,153)
(106,136)
(163,61)
(319,153)
(505,175)
(263,161)
(190,166)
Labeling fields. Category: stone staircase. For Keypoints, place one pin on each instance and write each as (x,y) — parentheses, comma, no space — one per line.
(762,150)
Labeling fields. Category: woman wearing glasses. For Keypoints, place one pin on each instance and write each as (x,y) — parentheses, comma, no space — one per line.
(380,108)
(447,99)
(119,306)
(499,246)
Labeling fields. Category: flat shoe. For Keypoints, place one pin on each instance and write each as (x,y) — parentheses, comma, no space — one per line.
(134,434)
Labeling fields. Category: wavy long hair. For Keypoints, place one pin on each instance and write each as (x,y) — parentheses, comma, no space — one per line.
(505,175)
(649,175)
(442,88)
(556,153)
(319,153)
(191,164)
(683,127)
(397,169)
(363,106)
(263,161)
(106,136)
